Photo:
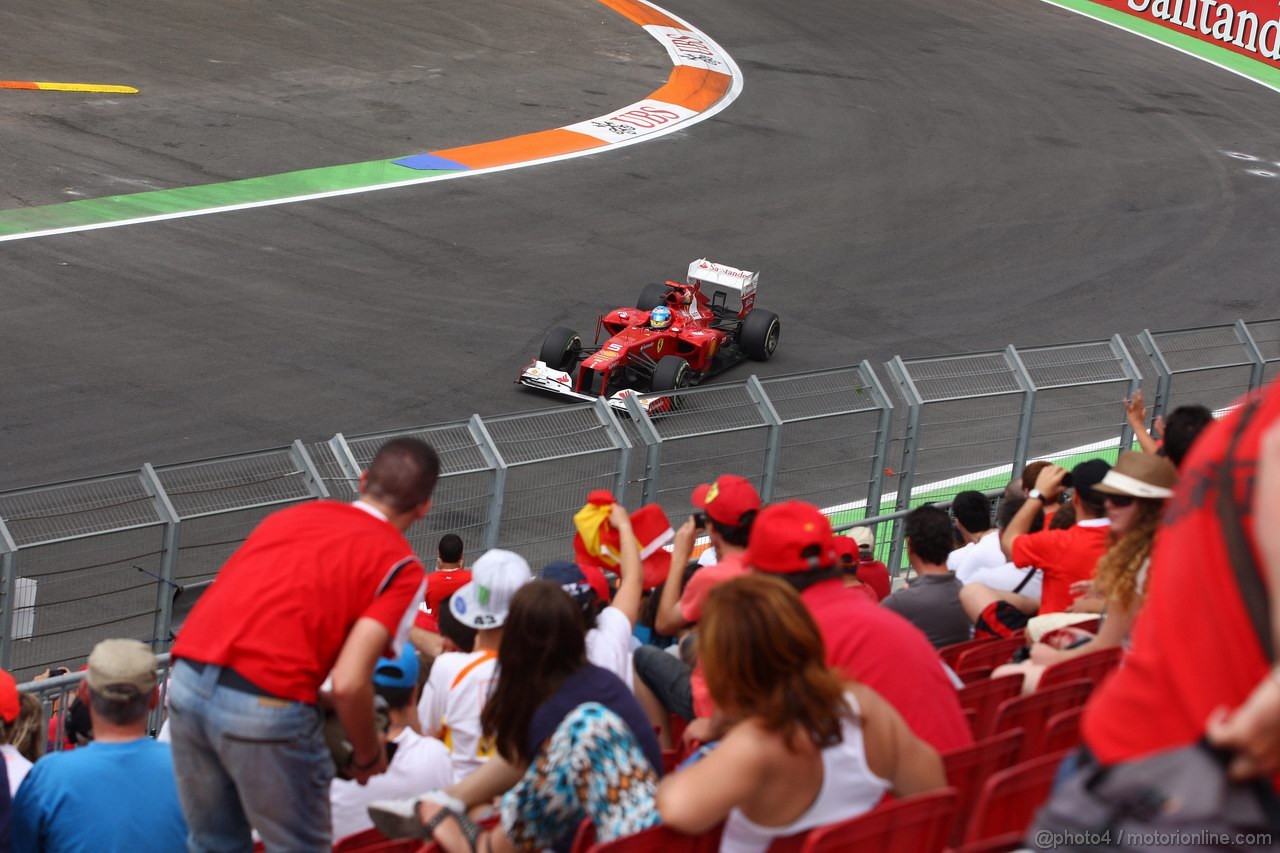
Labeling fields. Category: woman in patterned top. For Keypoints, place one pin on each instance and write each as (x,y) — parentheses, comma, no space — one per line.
(551,714)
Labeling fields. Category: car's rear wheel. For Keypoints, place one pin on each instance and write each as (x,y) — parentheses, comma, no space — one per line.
(672,373)
(560,348)
(758,337)
(652,296)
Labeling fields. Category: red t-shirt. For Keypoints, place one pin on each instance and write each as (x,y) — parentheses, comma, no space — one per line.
(280,609)
(1193,647)
(1064,556)
(880,649)
(875,574)
(706,579)
(443,583)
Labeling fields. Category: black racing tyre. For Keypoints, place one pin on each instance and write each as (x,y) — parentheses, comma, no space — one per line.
(758,337)
(652,296)
(671,373)
(560,348)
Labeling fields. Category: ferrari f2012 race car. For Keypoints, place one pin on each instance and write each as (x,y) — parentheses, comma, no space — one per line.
(674,337)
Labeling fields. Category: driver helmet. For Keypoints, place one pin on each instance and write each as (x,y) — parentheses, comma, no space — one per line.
(660,317)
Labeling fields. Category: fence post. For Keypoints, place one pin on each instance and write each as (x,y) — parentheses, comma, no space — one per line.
(9,588)
(346,460)
(301,458)
(1255,355)
(880,453)
(906,477)
(652,449)
(773,444)
(168,559)
(1164,375)
(485,442)
(1135,382)
(1022,446)
(616,434)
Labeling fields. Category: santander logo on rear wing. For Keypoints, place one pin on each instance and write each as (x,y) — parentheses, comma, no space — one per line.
(740,283)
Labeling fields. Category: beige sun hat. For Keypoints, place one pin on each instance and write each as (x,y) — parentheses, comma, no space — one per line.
(1140,475)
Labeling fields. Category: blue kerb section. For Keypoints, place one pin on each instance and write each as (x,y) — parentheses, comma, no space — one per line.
(430,161)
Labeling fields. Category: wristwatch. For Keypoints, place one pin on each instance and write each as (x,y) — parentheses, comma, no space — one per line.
(1036,495)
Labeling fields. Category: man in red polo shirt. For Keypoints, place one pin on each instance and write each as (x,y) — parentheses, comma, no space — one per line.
(1063,556)
(1196,665)
(866,642)
(448,578)
(318,589)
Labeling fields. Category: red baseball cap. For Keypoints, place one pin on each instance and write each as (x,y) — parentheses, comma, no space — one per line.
(846,550)
(9,704)
(727,499)
(791,537)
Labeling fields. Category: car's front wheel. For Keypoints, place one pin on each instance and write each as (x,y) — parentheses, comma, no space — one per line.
(672,373)
(560,348)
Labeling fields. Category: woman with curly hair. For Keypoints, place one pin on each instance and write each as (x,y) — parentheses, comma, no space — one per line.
(1134,492)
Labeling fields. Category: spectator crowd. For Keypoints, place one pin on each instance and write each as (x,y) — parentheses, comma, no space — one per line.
(746,672)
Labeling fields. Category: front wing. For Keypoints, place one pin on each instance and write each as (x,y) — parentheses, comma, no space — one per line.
(538,375)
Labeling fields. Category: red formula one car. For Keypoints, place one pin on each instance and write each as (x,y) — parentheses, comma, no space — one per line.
(675,336)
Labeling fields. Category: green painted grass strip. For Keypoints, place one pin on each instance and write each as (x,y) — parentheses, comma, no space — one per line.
(230,194)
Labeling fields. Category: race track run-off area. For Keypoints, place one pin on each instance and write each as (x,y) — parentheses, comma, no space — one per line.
(913,178)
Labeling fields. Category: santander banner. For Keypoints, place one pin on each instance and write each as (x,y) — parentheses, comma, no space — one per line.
(1248,27)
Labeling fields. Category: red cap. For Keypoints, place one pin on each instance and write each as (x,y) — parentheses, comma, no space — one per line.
(727,499)
(9,704)
(791,537)
(847,550)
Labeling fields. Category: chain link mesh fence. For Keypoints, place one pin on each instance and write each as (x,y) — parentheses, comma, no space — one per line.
(127,555)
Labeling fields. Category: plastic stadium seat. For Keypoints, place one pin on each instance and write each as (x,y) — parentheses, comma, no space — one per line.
(951,654)
(991,653)
(656,840)
(970,766)
(1095,667)
(969,676)
(984,698)
(919,824)
(1032,713)
(1009,799)
(1007,843)
(1062,732)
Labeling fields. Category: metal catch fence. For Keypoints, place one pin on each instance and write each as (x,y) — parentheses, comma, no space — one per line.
(127,555)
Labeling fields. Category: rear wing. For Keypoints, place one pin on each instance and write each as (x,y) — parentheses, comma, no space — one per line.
(733,288)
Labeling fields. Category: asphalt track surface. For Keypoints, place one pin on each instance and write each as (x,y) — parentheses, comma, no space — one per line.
(912,177)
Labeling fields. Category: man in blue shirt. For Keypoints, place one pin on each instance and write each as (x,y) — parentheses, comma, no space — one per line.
(117,794)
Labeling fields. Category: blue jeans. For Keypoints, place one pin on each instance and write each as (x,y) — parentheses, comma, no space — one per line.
(247,761)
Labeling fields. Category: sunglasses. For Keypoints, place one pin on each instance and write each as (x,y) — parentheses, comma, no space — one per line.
(1119,500)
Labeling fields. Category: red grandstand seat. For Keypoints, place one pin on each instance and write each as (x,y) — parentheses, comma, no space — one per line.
(951,654)
(970,766)
(1009,799)
(670,760)
(1062,732)
(1095,667)
(656,840)
(969,676)
(1007,843)
(676,726)
(970,718)
(991,653)
(919,824)
(984,698)
(1032,713)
